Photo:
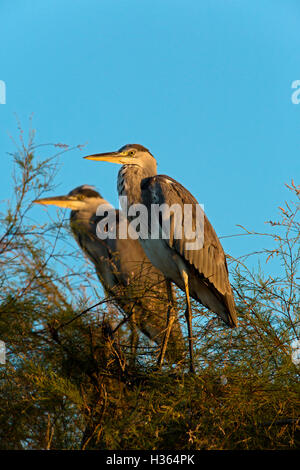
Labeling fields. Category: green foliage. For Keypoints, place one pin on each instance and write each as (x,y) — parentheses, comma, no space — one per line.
(68,382)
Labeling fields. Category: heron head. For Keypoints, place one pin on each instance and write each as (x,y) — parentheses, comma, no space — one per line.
(130,154)
(78,199)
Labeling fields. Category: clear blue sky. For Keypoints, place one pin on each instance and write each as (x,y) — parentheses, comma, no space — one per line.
(206,85)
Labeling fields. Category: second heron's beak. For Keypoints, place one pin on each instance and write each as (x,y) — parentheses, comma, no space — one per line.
(114,157)
(69,202)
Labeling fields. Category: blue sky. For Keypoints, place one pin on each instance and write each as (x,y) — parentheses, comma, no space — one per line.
(206,86)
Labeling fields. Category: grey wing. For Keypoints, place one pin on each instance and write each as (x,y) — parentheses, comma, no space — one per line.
(102,253)
(208,259)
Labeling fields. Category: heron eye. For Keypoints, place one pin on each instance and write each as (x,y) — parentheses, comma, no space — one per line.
(131,153)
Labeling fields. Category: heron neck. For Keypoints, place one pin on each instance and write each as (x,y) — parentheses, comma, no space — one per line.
(84,219)
(130,179)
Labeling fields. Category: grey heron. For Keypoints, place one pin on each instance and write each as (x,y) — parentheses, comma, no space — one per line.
(201,273)
(121,266)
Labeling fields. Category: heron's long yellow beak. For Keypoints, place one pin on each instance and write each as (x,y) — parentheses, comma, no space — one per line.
(113,157)
(68,202)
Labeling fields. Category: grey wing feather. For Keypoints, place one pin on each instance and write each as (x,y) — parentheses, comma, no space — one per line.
(209,261)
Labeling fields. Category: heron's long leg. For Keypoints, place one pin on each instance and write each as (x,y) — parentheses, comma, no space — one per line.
(188,316)
(170,321)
